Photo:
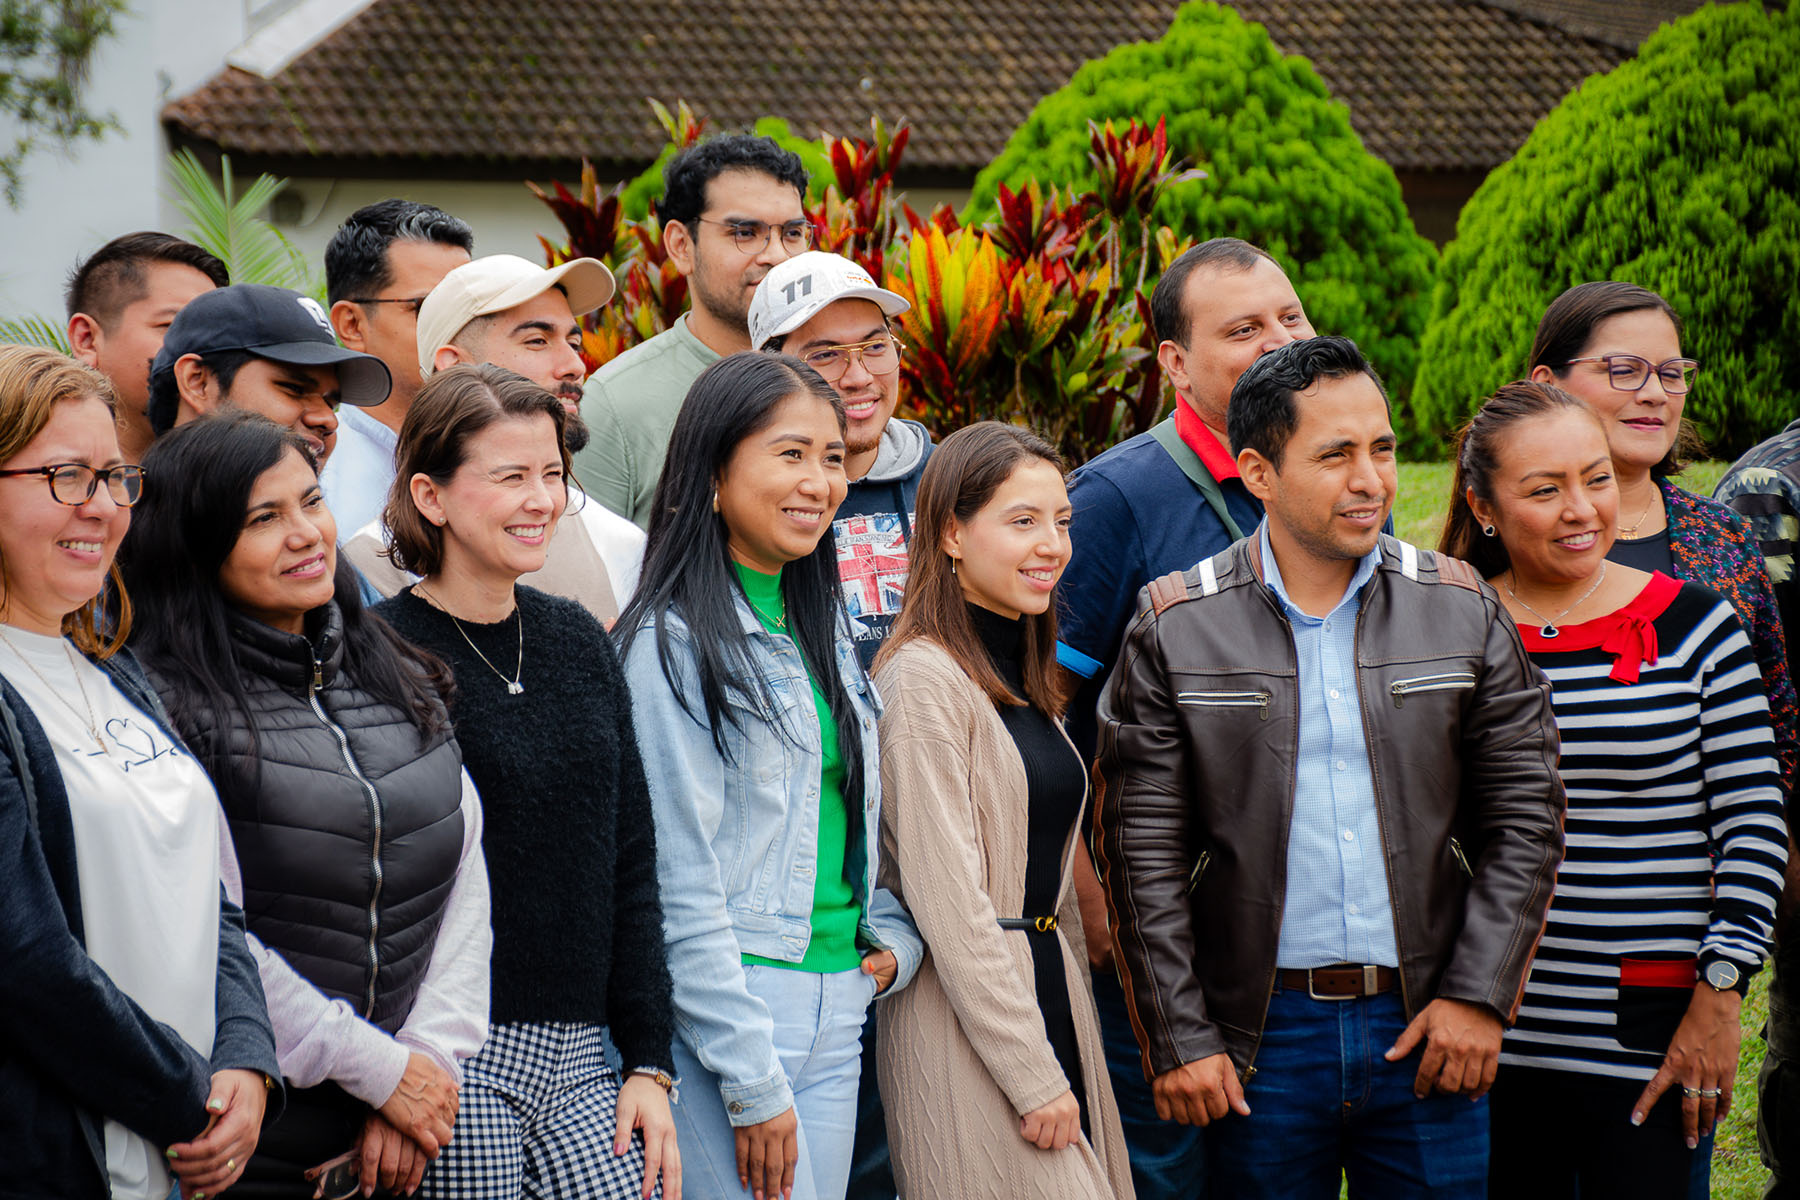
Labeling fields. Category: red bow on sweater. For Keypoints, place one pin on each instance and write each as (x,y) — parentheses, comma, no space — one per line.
(1631,642)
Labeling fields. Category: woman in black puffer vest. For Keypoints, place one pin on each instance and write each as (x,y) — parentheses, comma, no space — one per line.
(356,831)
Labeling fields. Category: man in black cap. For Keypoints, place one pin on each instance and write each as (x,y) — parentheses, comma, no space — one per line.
(266,349)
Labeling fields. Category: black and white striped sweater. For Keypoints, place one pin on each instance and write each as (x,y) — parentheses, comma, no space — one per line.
(1676,840)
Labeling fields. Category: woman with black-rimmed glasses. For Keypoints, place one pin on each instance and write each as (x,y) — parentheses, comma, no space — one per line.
(134,1043)
(1617,346)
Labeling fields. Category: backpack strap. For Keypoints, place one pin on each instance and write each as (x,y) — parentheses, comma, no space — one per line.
(1195,470)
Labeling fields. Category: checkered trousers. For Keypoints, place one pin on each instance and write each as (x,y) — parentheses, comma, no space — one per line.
(537,1121)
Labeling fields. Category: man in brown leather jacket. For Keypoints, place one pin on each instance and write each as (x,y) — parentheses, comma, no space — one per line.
(1328,818)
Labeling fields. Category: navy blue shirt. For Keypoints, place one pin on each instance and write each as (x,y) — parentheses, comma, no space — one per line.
(1137,517)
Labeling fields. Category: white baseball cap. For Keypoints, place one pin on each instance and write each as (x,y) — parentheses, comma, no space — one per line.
(497,283)
(794,291)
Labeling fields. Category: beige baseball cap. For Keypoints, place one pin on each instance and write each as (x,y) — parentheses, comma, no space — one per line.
(497,283)
(796,289)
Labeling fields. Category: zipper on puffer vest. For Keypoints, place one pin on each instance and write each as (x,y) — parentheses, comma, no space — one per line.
(312,698)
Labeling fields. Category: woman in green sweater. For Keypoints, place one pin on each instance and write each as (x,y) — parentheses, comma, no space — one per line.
(757,725)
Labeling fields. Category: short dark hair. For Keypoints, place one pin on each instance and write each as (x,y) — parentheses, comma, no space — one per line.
(686,175)
(1569,324)
(356,258)
(1262,416)
(1168,308)
(454,406)
(165,394)
(113,277)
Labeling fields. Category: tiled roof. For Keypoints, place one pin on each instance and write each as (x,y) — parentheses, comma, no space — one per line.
(487,84)
(1621,23)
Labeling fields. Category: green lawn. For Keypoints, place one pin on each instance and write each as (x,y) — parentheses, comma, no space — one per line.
(1737,1172)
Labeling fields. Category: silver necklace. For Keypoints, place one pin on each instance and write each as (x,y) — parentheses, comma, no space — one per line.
(1549,629)
(513,686)
(93,723)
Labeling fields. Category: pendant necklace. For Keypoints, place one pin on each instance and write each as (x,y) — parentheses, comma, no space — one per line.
(1549,629)
(1631,530)
(93,724)
(513,686)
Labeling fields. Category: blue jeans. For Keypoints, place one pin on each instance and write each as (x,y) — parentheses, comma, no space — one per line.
(1168,1161)
(818,1039)
(1326,1106)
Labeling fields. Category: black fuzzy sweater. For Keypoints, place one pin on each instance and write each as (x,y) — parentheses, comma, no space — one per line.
(570,846)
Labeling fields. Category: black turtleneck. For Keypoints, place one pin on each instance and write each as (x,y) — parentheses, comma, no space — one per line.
(1055,788)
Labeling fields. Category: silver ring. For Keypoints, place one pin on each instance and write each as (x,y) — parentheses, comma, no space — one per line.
(1691,1092)
(1709,1092)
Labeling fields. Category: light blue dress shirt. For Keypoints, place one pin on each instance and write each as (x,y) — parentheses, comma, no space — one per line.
(1337,908)
(359,472)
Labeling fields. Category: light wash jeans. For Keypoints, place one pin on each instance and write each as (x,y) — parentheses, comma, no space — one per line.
(818,1040)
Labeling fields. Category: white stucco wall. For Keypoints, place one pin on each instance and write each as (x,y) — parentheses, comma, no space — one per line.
(74,201)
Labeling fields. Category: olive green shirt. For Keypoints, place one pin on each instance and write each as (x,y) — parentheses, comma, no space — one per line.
(630,405)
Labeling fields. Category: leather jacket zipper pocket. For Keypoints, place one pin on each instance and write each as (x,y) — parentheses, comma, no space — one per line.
(1258,700)
(1453,681)
(1200,865)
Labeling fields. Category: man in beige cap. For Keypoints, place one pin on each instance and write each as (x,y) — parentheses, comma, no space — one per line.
(512,313)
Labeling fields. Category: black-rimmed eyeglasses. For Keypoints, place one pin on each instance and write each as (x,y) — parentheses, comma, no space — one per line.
(412,303)
(1628,372)
(74,484)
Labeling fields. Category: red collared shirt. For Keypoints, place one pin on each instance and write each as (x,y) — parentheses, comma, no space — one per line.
(1204,442)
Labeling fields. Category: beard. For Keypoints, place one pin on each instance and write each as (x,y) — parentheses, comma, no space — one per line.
(575,432)
(729,304)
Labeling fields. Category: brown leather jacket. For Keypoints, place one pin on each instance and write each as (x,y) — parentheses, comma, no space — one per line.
(1194,782)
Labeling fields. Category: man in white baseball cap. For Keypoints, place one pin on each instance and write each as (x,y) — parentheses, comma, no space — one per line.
(515,314)
(509,311)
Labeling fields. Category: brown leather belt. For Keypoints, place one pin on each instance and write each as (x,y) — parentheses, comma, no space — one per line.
(1346,981)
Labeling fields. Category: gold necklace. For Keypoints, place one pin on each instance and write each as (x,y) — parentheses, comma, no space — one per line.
(513,686)
(93,723)
(779,620)
(1643,516)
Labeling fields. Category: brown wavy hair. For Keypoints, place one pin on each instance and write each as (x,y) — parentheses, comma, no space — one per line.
(33,381)
(962,475)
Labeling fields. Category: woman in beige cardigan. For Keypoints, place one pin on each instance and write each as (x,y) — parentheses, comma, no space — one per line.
(991,1064)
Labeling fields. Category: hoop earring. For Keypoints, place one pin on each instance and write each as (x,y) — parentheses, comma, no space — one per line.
(953,566)
(1487,531)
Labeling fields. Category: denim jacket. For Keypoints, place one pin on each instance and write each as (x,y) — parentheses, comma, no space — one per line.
(737,847)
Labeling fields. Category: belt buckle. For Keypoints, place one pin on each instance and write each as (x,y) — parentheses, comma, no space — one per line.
(1368,985)
(1045,924)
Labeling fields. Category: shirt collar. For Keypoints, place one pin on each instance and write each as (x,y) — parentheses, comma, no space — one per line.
(1204,442)
(1365,571)
(355,419)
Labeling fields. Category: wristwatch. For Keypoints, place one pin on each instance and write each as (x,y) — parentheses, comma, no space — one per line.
(662,1079)
(1722,975)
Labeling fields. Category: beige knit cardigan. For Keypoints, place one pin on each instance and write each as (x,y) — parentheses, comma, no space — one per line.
(962,1052)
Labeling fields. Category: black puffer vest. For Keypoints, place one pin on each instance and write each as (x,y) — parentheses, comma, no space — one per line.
(350,842)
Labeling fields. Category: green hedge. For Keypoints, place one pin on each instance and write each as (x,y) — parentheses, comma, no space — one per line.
(1678,170)
(1284,171)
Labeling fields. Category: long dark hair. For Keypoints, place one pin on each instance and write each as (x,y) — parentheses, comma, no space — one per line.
(1478,446)
(182,531)
(964,472)
(1568,325)
(687,563)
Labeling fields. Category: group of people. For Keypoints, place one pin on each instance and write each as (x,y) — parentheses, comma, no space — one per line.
(430,771)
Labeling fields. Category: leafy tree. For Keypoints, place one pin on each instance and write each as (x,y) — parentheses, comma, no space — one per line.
(1283,169)
(45,49)
(1678,170)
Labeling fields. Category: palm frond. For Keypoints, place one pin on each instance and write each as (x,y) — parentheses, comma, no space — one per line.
(229,223)
(35,331)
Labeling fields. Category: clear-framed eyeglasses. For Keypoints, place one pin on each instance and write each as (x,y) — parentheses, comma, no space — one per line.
(752,237)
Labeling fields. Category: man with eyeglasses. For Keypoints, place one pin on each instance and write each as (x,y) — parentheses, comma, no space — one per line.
(379,266)
(731,211)
(266,349)
(826,311)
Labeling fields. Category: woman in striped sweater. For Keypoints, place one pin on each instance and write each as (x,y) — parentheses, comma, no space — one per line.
(1627,1042)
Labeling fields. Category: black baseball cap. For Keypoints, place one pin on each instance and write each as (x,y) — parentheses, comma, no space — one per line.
(275,323)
